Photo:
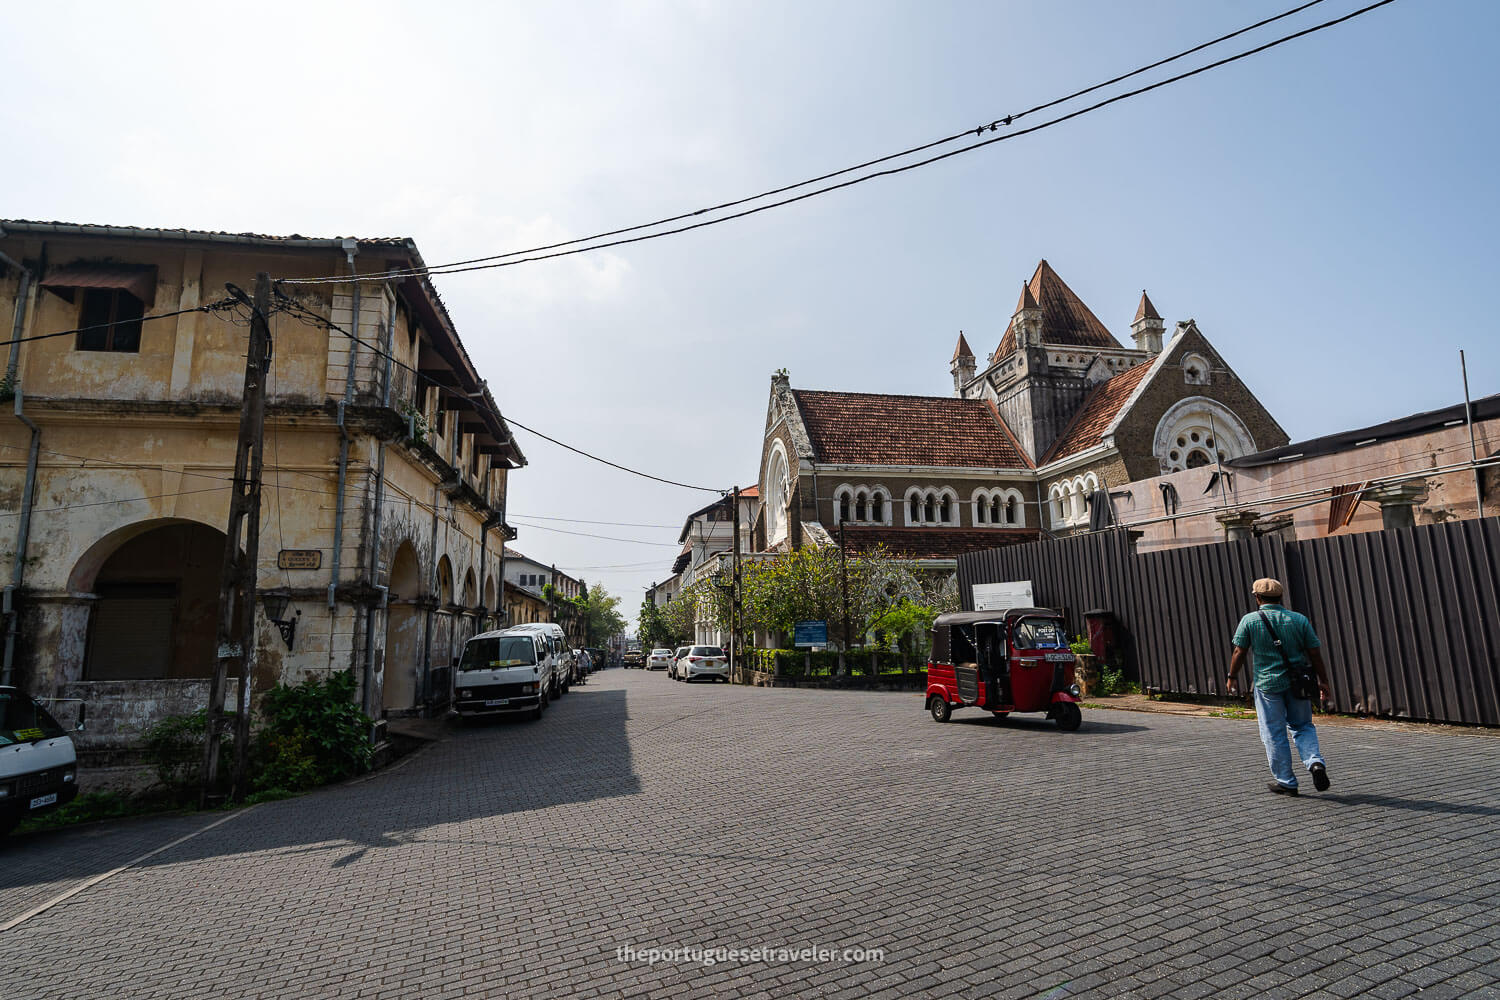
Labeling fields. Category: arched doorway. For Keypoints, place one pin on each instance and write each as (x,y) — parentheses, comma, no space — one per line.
(403,631)
(156,611)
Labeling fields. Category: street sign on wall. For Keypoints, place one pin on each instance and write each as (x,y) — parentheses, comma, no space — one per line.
(811,634)
(1000,596)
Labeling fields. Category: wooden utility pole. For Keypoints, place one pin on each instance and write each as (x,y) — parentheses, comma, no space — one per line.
(734,591)
(237,575)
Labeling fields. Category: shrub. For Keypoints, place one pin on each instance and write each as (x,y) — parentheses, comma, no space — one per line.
(174,748)
(314,733)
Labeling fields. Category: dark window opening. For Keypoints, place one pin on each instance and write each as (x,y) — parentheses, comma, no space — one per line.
(117,316)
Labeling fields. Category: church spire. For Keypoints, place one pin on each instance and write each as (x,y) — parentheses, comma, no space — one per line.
(1147,327)
(963,366)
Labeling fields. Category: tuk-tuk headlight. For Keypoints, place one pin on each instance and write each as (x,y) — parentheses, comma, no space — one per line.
(69,775)
(6,791)
(1075,690)
(466,693)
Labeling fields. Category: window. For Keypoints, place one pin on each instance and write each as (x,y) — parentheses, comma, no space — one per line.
(117,314)
(931,506)
(860,504)
(998,508)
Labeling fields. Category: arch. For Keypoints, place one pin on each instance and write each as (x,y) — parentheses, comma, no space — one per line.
(489,592)
(880,501)
(444,581)
(403,630)
(156,612)
(470,591)
(1199,431)
(843,503)
(1196,370)
(776,488)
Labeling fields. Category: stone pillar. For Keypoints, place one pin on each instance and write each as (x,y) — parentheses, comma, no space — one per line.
(1239,525)
(1398,503)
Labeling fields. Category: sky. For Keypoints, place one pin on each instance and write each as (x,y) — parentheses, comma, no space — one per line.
(1326,210)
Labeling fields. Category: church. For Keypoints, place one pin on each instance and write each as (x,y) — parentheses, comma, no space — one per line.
(1029,443)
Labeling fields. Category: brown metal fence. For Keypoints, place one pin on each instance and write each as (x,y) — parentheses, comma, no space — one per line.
(1410,619)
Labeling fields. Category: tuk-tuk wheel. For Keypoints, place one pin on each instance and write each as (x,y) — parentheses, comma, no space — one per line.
(1069,718)
(1001,716)
(939,708)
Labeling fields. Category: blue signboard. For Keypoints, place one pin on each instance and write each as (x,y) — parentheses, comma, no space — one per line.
(811,634)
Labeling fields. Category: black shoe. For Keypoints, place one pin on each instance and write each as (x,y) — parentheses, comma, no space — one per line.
(1320,776)
(1281,789)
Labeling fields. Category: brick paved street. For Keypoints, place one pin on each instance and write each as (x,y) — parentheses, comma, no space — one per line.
(1140,857)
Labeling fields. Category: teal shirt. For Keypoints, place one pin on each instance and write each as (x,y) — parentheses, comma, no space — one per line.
(1297,637)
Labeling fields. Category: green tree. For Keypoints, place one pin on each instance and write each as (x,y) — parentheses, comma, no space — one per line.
(655,629)
(599,610)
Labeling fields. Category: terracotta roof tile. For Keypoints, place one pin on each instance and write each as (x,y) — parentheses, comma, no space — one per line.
(750,491)
(1098,411)
(933,543)
(860,428)
(962,350)
(1065,319)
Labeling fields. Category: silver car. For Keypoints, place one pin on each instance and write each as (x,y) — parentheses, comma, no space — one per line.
(660,659)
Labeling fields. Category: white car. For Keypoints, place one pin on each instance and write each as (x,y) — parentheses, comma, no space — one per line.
(660,659)
(677,655)
(703,663)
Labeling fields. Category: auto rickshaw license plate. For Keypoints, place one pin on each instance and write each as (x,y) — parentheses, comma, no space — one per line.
(496,702)
(1059,657)
(45,800)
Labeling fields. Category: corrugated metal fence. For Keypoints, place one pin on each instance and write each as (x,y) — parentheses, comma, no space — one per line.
(1410,619)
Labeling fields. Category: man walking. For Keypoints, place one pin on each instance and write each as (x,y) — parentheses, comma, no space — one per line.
(1276,709)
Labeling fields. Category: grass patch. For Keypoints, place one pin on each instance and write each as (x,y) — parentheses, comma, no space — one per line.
(94,806)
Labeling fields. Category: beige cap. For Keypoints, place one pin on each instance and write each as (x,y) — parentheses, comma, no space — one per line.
(1267,587)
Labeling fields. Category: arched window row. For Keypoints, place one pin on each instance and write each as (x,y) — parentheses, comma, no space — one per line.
(860,504)
(931,506)
(1068,500)
(998,508)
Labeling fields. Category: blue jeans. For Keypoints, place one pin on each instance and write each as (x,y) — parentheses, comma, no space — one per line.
(1278,711)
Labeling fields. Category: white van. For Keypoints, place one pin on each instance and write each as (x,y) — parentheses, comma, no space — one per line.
(503,672)
(562,654)
(38,765)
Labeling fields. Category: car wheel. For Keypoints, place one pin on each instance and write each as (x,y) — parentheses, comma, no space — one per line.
(939,708)
(1069,717)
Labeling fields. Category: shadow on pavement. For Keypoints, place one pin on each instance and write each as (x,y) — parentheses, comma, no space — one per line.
(576,754)
(1041,722)
(1414,805)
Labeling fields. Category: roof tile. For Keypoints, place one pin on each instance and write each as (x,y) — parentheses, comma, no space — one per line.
(860,428)
(1065,319)
(1099,410)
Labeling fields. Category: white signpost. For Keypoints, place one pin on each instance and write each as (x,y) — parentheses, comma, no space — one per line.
(1000,596)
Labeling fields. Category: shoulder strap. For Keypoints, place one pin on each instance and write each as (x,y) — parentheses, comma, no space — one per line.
(1275,638)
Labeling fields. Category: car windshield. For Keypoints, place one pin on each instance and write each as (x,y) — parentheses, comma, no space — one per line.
(498,651)
(1040,633)
(24,721)
(707,651)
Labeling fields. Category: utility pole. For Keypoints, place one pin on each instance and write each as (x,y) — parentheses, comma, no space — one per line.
(237,575)
(844,588)
(734,591)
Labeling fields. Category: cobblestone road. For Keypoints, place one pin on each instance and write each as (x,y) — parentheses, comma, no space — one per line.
(1140,857)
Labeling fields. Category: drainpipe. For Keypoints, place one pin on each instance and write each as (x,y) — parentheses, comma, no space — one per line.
(23,530)
(373,570)
(351,247)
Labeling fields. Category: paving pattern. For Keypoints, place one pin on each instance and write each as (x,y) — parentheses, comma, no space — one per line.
(1139,857)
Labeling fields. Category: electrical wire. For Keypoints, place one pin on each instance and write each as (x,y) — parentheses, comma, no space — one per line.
(102,503)
(575,520)
(221,305)
(1005,120)
(303,312)
(608,538)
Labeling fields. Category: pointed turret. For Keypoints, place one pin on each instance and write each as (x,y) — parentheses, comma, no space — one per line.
(963,365)
(1147,327)
(1026,321)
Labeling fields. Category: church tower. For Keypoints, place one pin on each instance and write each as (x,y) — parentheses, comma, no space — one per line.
(963,365)
(1147,327)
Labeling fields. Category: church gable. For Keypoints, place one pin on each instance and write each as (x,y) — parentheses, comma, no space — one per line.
(1193,410)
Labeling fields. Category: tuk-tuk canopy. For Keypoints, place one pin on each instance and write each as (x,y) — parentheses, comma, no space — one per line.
(974,617)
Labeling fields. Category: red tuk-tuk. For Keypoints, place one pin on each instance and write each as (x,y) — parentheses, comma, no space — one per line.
(1017,660)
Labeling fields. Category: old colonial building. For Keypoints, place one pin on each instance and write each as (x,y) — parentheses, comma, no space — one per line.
(383,489)
(1061,413)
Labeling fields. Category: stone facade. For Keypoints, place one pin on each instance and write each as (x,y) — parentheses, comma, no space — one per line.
(382,494)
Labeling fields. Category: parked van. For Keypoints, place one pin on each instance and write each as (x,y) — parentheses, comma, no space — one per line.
(503,672)
(38,765)
(562,654)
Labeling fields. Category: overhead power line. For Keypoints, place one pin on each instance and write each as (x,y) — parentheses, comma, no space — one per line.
(578,520)
(297,309)
(222,304)
(538,253)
